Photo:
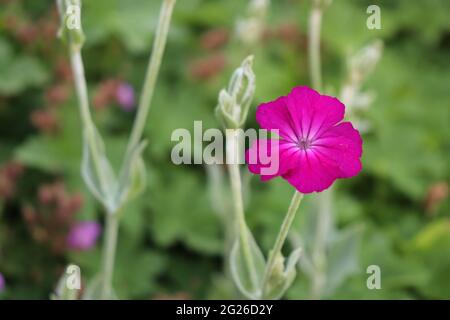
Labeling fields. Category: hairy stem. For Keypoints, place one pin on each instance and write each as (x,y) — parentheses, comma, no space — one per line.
(109,252)
(148,89)
(236,190)
(83,103)
(315,21)
(282,235)
(112,219)
(80,86)
(89,134)
(319,258)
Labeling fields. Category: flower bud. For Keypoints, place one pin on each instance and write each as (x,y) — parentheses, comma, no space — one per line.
(234,102)
(364,61)
(360,65)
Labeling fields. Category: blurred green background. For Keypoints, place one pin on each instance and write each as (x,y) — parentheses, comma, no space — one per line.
(171,238)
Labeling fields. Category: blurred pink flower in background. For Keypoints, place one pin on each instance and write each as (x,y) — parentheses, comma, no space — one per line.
(83,235)
(125,96)
(315,148)
(111,91)
(2,282)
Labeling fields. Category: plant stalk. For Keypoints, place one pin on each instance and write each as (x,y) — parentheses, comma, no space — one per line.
(148,89)
(80,86)
(109,252)
(83,103)
(319,258)
(236,190)
(112,219)
(282,235)
(315,22)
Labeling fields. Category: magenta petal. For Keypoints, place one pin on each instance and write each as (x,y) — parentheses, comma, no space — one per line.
(331,112)
(313,113)
(274,115)
(313,174)
(262,157)
(342,144)
(300,102)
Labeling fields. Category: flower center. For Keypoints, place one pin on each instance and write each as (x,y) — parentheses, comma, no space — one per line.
(304,143)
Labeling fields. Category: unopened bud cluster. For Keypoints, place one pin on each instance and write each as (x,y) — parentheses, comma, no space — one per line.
(360,66)
(364,61)
(234,102)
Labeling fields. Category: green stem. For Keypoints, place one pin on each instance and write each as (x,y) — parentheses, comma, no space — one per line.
(83,102)
(319,257)
(138,127)
(152,73)
(315,21)
(77,66)
(282,235)
(80,86)
(109,252)
(112,219)
(89,132)
(324,206)
(236,189)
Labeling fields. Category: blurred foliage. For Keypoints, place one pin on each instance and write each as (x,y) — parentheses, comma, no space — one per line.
(171,240)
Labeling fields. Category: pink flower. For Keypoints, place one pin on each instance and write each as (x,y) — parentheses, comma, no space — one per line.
(314,148)
(83,235)
(2,283)
(125,96)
